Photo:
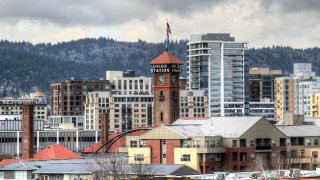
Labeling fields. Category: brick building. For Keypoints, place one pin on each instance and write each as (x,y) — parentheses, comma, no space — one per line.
(67,97)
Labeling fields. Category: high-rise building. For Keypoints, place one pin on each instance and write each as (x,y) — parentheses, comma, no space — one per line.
(287,95)
(306,89)
(67,98)
(130,111)
(97,103)
(261,83)
(217,63)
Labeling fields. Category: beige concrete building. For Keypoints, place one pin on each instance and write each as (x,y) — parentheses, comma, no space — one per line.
(315,105)
(194,103)
(130,111)
(97,102)
(126,83)
(287,96)
(14,107)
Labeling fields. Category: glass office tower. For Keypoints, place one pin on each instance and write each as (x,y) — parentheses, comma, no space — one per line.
(217,63)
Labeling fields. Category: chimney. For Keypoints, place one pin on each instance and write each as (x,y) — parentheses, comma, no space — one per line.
(104,128)
(27,131)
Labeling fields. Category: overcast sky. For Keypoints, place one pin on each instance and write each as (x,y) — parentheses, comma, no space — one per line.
(293,23)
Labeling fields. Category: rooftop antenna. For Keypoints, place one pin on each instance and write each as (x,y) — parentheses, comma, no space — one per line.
(168,32)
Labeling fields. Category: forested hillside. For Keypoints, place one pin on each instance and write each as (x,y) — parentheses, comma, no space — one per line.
(25,67)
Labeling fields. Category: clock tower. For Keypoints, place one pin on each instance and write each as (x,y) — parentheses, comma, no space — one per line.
(166,86)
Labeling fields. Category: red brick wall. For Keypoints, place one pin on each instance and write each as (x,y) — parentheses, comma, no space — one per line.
(155,151)
(230,163)
(170,145)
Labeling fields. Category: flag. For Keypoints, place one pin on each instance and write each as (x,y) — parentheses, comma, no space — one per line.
(168,29)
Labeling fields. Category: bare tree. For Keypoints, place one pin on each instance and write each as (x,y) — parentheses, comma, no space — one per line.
(105,168)
(142,171)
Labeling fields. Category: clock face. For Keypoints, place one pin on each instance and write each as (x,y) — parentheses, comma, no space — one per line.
(162,78)
(174,78)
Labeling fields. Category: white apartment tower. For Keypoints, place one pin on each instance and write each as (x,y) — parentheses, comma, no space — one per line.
(217,63)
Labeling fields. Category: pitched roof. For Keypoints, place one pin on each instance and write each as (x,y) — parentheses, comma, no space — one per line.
(56,151)
(166,58)
(191,120)
(186,130)
(227,127)
(300,131)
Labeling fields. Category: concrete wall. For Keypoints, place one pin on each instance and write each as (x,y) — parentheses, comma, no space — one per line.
(194,157)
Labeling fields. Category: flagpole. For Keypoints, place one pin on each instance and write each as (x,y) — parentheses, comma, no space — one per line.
(168,30)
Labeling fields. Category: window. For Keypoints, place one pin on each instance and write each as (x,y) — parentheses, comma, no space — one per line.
(251,143)
(20,175)
(196,144)
(161,116)
(315,154)
(185,157)
(138,157)
(234,143)
(163,156)
(133,144)
(315,142)
(186,143)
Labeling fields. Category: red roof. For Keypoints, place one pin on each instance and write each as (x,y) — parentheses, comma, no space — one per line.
(166,58)
(56,151)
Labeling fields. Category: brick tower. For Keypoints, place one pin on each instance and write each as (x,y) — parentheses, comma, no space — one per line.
(104,128)
(166,72)
(27,131)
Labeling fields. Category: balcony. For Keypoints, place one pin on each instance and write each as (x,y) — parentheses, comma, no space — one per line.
(304,160)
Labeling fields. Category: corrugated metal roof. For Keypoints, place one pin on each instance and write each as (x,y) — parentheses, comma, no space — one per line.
(129,169)
(300,131)
(186,130)
(227,127)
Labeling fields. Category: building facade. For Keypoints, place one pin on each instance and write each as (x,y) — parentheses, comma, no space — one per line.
(306,89)
(130,111)
(209,144)
(217,63)
(194,103)
(287,96)
(12,106)
(11,137)
(65,122)
(261,83)
(126,83)
(264,108)
(97,102)
(67,98)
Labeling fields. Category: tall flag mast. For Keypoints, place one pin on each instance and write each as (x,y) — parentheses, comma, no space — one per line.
(168,32)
